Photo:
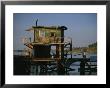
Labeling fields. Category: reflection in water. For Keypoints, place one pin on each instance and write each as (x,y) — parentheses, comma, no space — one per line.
(75,66)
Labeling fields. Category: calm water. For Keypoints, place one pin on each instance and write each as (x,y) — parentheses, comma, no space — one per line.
(75,65)
(93,57)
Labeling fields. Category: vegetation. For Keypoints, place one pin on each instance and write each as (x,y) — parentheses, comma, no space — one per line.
(92,48)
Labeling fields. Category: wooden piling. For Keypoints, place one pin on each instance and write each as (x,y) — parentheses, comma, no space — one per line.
(82,65)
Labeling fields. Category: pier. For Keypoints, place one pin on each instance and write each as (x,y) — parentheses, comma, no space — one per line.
(23,65)
(49,53)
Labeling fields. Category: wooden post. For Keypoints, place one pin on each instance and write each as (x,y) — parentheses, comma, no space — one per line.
(57,51)
(60,67)
(62,46)
(82,65)
(71,48)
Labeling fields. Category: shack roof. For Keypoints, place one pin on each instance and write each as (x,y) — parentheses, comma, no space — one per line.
(45,27)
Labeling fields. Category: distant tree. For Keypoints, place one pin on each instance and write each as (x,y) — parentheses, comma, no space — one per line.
(93,45)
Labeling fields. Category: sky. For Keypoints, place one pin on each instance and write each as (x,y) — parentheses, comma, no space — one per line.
(82,27)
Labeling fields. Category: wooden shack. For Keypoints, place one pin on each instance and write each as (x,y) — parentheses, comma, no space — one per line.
(48,45)
(43,40)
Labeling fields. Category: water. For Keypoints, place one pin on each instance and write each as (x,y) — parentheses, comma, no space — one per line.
(75,65)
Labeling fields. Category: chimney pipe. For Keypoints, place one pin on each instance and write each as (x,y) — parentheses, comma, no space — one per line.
(36,22)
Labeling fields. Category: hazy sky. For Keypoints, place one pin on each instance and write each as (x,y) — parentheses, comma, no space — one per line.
(82,27)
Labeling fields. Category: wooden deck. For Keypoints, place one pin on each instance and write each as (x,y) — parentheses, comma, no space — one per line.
(47,43)
(44,59)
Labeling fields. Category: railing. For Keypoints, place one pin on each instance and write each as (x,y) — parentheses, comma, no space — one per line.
(21,52)
(26,40)
(48,40)
(67,40)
